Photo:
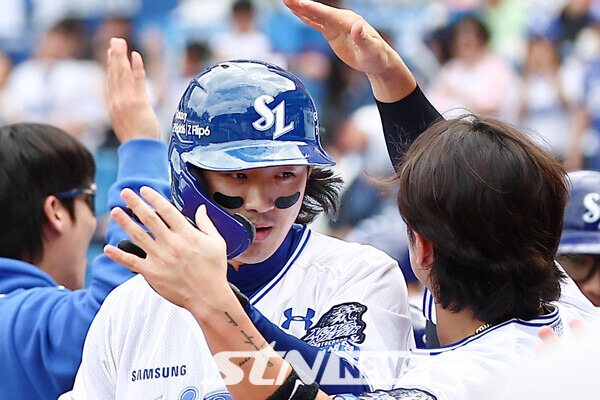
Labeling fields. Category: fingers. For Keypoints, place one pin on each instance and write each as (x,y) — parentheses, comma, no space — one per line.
(310,22)
(325,19)
(118,73)
(165,212)
(118,63)
(129,260)
(153,219)
(579,328)
(137,233)
(139,72)
(547,335)
(549,340)
(161,220)
(204,223)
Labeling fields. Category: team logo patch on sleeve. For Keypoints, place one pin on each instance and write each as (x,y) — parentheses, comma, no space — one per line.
(394,394)
(341,325)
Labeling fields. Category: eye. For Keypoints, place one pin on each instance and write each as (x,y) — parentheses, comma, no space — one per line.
(238,175)
(287,174)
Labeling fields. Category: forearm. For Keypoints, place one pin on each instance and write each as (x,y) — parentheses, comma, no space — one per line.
(239,349)
(404,120)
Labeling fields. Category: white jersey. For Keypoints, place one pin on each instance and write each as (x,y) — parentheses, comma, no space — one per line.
(478,365)
(468,369)
(346,297)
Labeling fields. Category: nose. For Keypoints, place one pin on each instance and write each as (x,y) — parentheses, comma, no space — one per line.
(591,288)
(258,199)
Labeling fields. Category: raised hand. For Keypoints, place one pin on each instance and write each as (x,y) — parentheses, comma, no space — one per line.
(187,266)
(360,46)
(129,106)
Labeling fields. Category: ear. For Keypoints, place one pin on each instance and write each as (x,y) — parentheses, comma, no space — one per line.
(56,214)
(423,252)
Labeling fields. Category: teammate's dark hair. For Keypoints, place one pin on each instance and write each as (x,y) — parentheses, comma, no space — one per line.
(36,160)
(492,204)
(322,195)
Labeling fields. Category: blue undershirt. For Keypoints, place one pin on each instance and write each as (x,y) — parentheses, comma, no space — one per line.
(250,278)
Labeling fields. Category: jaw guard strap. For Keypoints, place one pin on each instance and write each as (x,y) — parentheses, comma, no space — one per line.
(237,231)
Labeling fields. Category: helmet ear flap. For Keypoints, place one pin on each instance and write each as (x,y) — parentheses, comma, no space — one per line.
(247,224)
(200,183)
(188,194)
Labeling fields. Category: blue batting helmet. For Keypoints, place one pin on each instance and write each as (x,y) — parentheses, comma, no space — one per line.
(240,115)
(581,234)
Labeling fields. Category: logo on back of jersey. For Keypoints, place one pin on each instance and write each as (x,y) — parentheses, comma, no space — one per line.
(340,328)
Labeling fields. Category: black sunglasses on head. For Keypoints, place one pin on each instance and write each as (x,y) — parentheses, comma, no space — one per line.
(90,195)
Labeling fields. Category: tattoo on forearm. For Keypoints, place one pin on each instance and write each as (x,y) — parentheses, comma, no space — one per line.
(231,320)
(250,340)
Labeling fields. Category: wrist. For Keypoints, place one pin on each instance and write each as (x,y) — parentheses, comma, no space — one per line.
(207,309)
(393,83)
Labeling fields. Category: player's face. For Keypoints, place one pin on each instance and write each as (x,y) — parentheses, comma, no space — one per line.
(584,269)
(269,197)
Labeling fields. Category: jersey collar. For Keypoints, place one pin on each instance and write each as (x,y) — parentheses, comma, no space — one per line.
(251,277)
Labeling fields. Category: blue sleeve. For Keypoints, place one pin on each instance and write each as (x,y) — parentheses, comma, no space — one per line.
(142,162)
(49,324)
(283,343)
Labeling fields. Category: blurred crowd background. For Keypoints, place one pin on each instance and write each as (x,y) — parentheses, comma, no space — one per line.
(534,63)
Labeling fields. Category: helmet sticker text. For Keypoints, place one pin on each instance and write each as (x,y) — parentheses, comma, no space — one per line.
(181,115)
(269,117)
(191,129)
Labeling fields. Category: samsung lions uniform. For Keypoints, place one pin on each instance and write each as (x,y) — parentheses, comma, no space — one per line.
(469,369)
(336,296)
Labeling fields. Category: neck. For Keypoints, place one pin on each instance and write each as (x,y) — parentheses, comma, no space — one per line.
(235,264)
(65,268)
(453,327)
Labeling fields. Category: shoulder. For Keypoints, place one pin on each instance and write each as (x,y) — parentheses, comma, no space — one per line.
(343,261)
(132,292)
(134,307)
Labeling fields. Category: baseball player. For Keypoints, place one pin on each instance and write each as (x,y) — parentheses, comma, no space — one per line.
(47,213)
(245,146)
(579,247)
(483,241)
(491,297)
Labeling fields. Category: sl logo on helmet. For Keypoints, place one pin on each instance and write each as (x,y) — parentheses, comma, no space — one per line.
(269,117)
(590,202)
